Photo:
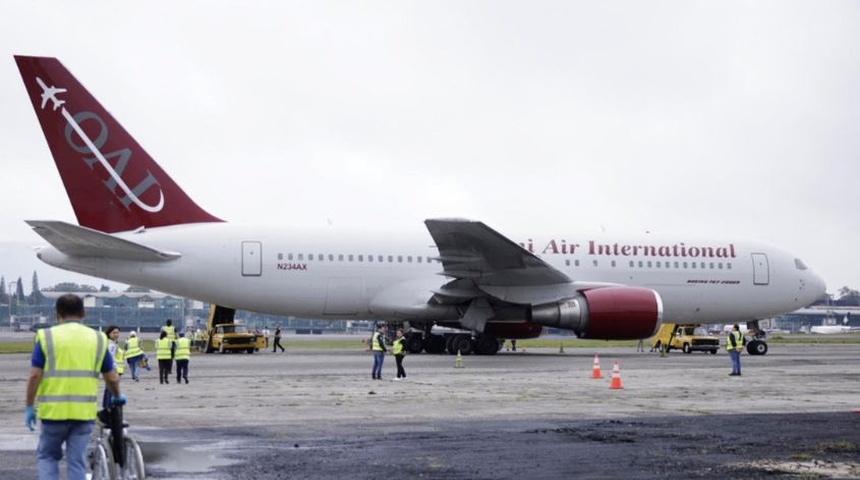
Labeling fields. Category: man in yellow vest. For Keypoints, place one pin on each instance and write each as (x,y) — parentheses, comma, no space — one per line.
(377,345)
(133,354)
(67,359)
(183,355)
(164,354)
(734,344)
(171,334)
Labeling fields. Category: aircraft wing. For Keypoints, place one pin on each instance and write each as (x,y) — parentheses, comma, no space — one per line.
(85,242)
(472,251)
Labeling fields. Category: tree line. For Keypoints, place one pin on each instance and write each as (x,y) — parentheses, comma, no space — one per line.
(13,293)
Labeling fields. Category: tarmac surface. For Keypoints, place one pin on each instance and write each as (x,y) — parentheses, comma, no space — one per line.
(316,414)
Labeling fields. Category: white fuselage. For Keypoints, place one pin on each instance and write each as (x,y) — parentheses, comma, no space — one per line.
(335,274)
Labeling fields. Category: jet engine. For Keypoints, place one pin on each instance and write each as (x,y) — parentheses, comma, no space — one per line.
(607,313)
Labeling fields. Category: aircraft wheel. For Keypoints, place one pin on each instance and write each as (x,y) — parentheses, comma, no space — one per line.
(449,347)
(714,352)
(687,348)
(434,344)
(486,345)
(414,343)
(463,343)
(757,347)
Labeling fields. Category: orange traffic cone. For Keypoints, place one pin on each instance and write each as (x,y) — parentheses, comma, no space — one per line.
(595,370)
(615,383)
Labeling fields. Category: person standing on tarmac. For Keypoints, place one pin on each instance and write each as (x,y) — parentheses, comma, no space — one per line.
(399,353)
(183,355)
(266,334)
(171,334)
(117,353)
(277,343)
(133,354)
(164,355)
(65,364)
(734,344)
(377,345)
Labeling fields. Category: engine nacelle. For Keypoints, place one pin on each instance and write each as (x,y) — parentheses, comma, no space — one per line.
(608,313)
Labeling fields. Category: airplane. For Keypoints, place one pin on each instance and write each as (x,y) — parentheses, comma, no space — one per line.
(135,225)
(50,93)
(833,328)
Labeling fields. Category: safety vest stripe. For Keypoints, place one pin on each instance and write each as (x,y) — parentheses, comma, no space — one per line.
(66,398)
(51,361)
(71,374)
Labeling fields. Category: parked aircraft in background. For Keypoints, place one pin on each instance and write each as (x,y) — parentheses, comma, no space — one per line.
(834,328)
(136,226)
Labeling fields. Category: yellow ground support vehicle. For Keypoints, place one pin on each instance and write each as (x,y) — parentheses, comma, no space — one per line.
(687,338)
(224,335)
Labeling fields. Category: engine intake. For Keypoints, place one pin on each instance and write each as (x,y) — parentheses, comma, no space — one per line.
(608,313)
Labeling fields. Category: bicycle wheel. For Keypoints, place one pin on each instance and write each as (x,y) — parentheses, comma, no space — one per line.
(103,467)
(134,469)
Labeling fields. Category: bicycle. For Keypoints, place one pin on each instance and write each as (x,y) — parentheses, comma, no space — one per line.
(113,454)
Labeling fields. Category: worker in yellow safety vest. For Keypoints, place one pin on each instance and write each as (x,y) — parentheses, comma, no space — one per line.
(183,355)
(735,344)
(399,352)
(114,350)
(170,329)
(377,344)
(171,334)
(66,361)
(133,354)
(164,355)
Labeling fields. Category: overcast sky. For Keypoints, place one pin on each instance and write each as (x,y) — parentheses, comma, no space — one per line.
(731,119)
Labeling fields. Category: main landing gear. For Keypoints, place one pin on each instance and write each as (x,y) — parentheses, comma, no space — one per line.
(756,346)
(452,343)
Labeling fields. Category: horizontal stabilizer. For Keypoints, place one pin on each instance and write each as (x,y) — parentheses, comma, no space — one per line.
(85,242)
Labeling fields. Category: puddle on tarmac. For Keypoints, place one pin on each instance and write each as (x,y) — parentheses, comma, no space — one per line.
(187,457)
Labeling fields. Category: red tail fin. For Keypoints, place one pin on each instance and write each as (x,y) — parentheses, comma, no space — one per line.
(113,184)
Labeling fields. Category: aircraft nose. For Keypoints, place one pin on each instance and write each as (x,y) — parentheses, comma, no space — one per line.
(816,287)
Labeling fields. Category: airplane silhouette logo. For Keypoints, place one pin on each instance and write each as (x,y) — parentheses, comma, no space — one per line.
(50,93)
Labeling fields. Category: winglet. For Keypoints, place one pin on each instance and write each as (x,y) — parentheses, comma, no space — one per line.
(112,183)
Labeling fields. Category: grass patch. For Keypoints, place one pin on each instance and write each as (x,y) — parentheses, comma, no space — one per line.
(814,339)
(16,347)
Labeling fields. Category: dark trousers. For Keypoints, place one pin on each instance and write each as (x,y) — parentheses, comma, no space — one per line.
(277,345)
(164,366)
(181,370)
(401,373)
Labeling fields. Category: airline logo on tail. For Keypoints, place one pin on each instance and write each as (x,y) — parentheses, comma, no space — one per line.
(92,147)
(112,183)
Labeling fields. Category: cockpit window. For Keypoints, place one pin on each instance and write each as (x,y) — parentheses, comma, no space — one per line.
(798,263)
